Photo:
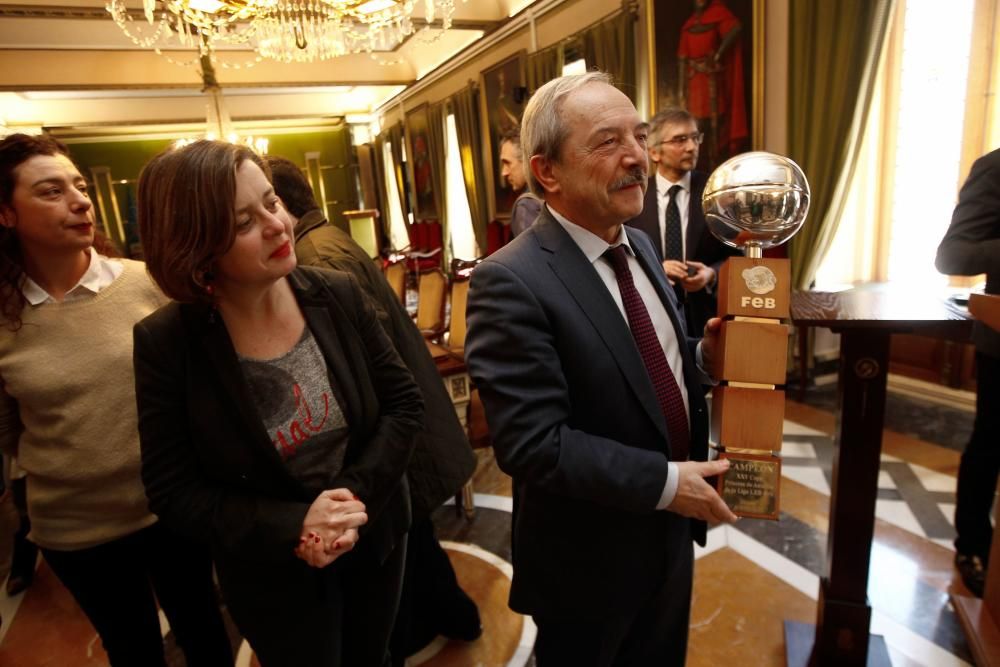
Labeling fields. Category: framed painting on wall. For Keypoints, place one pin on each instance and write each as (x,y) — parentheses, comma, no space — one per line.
(709,60)
(502,97)
(421,165)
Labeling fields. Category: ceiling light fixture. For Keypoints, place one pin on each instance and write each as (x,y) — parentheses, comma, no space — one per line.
(218,123)
(283,30)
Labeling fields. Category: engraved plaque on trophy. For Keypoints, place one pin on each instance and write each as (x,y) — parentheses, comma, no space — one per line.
(753,201)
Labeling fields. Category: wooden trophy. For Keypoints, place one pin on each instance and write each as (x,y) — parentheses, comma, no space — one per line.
(753,201)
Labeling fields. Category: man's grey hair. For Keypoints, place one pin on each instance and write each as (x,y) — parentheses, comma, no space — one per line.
(668,116)
(543,128)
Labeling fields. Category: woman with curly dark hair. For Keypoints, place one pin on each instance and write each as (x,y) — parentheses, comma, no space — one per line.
(67,411)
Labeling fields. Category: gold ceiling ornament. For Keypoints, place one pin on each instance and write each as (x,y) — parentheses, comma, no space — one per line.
(283,30)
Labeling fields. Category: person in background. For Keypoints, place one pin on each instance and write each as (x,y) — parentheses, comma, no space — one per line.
(276,419)
(970,247)
(67,413)
(527,205)
(673,217)
(432,602)
(593,395)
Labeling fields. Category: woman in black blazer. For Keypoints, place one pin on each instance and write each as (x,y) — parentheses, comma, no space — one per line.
(276,419)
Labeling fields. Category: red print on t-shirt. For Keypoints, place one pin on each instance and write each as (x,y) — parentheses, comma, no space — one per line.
(301,426)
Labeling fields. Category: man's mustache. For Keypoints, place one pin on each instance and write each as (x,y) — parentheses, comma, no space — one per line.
(635,176)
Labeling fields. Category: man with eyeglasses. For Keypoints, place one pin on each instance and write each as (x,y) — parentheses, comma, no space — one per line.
(673,218)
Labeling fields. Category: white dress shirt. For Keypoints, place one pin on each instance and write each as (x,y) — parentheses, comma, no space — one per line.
(683,197)
(593,248)
(100,273)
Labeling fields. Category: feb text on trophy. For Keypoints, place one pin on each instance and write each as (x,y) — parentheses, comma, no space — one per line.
(753,201)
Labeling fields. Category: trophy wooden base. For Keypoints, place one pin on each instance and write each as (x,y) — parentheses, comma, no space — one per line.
(752,351)
(752,485)
(748,418)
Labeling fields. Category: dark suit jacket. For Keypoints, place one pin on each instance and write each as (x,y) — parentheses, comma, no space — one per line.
(575,421)
(210,469)
(699,245)
(442,459)
(972,243)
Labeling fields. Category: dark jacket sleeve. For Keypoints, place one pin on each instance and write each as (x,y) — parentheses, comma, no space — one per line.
(972,243)
(374,476)
(193,504)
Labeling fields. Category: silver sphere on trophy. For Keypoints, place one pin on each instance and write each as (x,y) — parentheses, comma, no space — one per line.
(755,201)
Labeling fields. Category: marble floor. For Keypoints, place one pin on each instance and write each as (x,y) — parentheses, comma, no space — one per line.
(749,578)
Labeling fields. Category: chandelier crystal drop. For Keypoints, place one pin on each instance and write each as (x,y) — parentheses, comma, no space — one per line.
(282,30)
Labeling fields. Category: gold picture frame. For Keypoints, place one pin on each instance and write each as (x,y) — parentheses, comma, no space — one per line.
(502,97)
(421,165)
(672,29)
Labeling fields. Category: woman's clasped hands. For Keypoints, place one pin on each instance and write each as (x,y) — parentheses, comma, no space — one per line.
(330,528)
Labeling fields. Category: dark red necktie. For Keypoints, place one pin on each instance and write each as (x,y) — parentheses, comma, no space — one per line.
(667,391)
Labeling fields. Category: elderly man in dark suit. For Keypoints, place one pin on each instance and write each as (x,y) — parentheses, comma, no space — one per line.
(970,247)
(673,218)
(593,394)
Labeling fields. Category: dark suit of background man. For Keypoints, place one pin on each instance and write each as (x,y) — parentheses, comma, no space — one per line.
(674,140)
(432,601)
(972,246)
(593,417)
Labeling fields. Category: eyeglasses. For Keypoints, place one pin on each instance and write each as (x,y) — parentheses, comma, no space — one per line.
(682,139)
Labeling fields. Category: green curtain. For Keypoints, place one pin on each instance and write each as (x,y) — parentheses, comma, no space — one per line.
(832,57)
(610,47)
(543,66)
(396,148)
(436,115)
(465,105)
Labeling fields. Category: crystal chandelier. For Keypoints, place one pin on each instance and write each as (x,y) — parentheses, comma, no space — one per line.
(283,30)
(186,24)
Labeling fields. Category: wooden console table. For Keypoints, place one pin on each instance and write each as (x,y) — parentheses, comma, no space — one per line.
(865,317)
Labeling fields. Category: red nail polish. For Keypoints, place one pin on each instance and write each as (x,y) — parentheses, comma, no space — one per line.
(355,497)
(317,539)
(336,545)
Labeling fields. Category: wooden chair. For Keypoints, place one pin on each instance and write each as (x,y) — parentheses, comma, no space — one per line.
(425,249)
(498,235)
(432,286)
(364,229)
(476,429)
(461,273)
(395,275)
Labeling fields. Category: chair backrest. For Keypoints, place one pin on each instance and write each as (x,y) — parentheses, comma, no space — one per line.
(459,298)
(395,275)
(498,235)
(364,229)
(431,289)
(461,273)
(433,235)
